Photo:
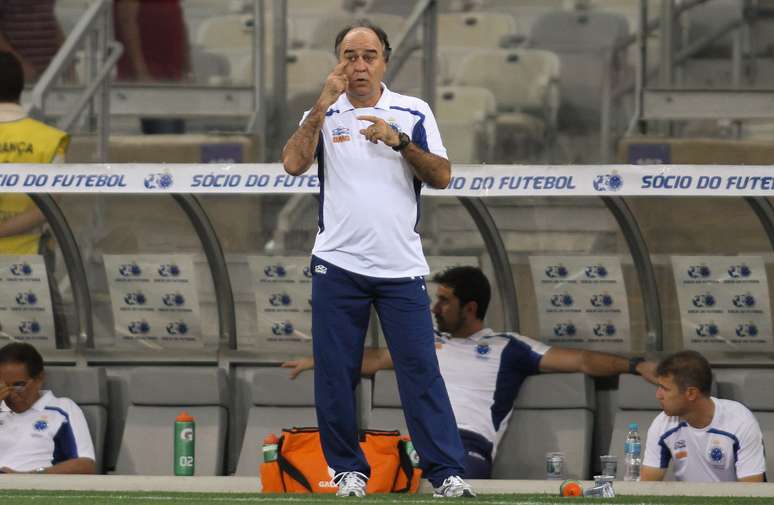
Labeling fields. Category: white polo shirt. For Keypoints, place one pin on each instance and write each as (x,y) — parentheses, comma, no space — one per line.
(728,449)
(483,374)
(369,197)
(51,431)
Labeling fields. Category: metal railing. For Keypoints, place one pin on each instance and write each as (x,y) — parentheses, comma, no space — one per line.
(93,34)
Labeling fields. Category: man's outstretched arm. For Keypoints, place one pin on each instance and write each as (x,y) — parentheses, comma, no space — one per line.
(374,359)
(597,364)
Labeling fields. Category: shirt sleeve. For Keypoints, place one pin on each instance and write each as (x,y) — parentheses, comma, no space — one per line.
(750,460)
(80,428)
(426,134)
(657,454)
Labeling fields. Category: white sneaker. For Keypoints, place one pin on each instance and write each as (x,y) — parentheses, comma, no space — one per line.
(454,487)
(350,484)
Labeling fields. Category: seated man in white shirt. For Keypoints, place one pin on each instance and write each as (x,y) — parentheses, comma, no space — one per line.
(39,433)
(483,370)
(709,439)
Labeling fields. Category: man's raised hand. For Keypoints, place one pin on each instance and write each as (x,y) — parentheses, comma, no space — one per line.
(379,130)
(335,84)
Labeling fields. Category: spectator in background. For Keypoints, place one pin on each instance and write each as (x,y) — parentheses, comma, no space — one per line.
(39,433)
(156,49)
(710,440)
(29,30)
(25,140)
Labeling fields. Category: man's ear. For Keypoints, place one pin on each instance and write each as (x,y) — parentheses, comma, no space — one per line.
(470,308)
(692,393)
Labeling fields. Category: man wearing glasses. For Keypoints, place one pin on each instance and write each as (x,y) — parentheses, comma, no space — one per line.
(39,433)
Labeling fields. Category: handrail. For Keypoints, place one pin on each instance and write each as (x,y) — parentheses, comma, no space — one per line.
(66,53)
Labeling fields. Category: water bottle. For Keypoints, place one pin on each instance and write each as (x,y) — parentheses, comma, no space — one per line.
(270,448)
(632,454)
(185,431)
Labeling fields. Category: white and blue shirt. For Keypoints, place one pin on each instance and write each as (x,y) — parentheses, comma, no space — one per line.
(483,374)
(369,196)
(53,430)
(728,449)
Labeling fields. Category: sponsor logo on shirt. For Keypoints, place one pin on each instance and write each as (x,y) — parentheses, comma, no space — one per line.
(681,454)
(340,134)
(320,269)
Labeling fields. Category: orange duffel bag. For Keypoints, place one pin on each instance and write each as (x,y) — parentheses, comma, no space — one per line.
(294,463)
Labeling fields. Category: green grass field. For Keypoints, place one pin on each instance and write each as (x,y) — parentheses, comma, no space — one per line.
(19,497)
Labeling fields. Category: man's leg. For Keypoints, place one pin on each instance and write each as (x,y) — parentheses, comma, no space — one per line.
(404,312)
(340,312)
(478,455)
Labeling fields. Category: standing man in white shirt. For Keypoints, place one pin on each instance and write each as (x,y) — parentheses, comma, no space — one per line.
(374,150)
(709,439)
(39,433)
(484,370)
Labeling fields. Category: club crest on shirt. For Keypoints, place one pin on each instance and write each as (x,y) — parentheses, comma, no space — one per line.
(482,349)
(340,134)
(40,425)
(717,455)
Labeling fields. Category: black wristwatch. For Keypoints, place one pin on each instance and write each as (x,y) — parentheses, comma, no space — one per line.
(633,362)
(404,141)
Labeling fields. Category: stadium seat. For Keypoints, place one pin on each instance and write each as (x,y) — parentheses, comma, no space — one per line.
(553,413)
(157,396)
(466,117)
(584,42)
(476,29)
(327,27)
(524,83)
(88,388)
(636,404)
(307,70)
(752,387)
(386,411)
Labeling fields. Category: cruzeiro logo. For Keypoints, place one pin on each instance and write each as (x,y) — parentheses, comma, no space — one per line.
(282,328)
(19,269)
(177,328)
(564,330)
(129,270)
(28,298)
(701,271)
(158,181)
(739,271)
(707,330)
(595,271)
(280,299)
(169,270)
(29,327)
(704,300)
(139,327)
(746,330)
(41,425)
(277,270)
(135,298)
(743,301)
(556,271)
(483,349)
(173,299)
(601,300)
(716,454)
(562,300)
(608,182)
(604,329)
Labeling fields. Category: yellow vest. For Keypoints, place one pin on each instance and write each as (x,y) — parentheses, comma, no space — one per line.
(26,141)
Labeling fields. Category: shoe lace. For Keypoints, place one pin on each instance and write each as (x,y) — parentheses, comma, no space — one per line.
(348,479)
(454,481)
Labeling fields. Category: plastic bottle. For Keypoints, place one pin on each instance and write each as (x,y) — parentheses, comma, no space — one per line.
(185,445)
(632,454)
(270,446)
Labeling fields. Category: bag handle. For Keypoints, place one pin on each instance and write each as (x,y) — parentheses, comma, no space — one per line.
(405,467)
(286,467)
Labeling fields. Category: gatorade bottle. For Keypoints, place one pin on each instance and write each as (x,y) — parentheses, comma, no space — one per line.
(270,448)
(185,431)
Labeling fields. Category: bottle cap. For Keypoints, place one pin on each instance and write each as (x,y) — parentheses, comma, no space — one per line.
(634,426)
(271,438)
(184,417)
(571,488)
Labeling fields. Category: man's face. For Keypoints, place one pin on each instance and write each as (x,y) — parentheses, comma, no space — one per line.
(672,400)
(26,390)
(363,51)
(447,311)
